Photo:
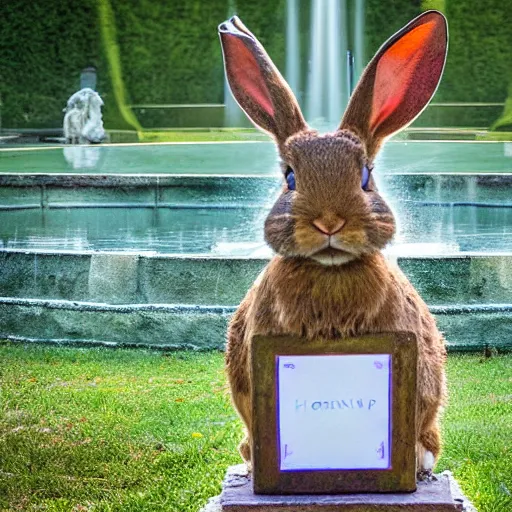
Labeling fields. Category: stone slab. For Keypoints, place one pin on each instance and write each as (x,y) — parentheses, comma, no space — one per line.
(202,327)
(158,326)
(441,495)
(223,281)
(400,186)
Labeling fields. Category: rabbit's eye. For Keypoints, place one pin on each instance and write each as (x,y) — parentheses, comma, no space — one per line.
(290,178)
(365,177)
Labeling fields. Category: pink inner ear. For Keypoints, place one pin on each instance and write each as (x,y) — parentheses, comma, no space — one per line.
(407,75)
(244,73)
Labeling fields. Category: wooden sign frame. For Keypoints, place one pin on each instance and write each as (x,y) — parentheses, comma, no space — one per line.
(400,477)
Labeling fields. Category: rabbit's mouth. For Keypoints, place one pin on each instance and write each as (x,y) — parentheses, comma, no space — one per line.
(331,256)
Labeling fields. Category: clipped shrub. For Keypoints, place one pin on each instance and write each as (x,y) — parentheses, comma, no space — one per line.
(480,52)
(44,46)
(170,51)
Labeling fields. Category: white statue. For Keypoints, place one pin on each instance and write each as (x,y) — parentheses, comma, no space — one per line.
(83,123)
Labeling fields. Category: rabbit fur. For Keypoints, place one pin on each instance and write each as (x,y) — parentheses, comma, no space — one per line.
(329,278)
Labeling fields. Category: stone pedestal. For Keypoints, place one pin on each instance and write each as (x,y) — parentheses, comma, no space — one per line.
(440,495)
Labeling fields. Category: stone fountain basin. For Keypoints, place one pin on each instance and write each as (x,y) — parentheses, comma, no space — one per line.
(250,158)
(163,260)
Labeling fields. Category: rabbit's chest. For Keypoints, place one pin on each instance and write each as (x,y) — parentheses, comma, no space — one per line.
(324,308)
(303,299)
(321,315)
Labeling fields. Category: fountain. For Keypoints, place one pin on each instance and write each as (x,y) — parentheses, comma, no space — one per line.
(233,115)
(358,53)
(193,214)
(327,92)
(292,46)
(337,95)
(314,88)
(327,86)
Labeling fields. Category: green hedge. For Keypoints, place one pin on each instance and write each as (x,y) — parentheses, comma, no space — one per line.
(480,47)
(43,47)
(117,113)
(169,51)
(480,53)
(504,122)
(479,62)
(383,19)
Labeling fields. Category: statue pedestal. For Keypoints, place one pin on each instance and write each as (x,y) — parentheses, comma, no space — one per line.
(441,495)
(295,412)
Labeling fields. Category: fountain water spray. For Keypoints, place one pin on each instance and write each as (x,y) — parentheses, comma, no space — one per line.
(327,92)
(292,46)
(358,38)
(350,73)
(233,115)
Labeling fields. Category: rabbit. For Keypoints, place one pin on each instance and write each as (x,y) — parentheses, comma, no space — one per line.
(329,278)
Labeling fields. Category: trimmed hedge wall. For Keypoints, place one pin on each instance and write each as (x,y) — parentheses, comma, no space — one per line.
(480,54)
(170,51)
(43,47)
(383,19)
(480,47)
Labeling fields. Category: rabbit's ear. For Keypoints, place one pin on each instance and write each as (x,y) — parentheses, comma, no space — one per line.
(256,83)
(399,81)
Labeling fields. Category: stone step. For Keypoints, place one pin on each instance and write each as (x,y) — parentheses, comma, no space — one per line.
(441,494)
(468,328)
(124,278)
(153,190)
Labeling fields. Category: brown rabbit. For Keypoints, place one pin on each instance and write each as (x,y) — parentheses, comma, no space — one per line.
(329,278)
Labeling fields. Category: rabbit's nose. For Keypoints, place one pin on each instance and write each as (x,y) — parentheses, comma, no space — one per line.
(330,228)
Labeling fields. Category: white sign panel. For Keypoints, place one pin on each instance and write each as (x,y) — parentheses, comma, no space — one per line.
(334,411)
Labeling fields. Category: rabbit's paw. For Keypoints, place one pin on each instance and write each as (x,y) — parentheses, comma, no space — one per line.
(425,467)
(245,451)
(428,460)
(425,475)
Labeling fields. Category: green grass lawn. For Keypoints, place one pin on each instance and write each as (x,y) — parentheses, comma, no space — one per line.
(202,136)
(251,134)
(188,135)
(104,430)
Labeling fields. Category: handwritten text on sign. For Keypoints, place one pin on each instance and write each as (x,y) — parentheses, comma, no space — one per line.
(334,411)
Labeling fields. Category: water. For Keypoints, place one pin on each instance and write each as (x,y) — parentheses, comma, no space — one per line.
(337,94)
(359,50)
(316,71)
(292,46)
(144,230)
(233,114)
(249,158)
(232,224)
(424,231)
(327,92)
